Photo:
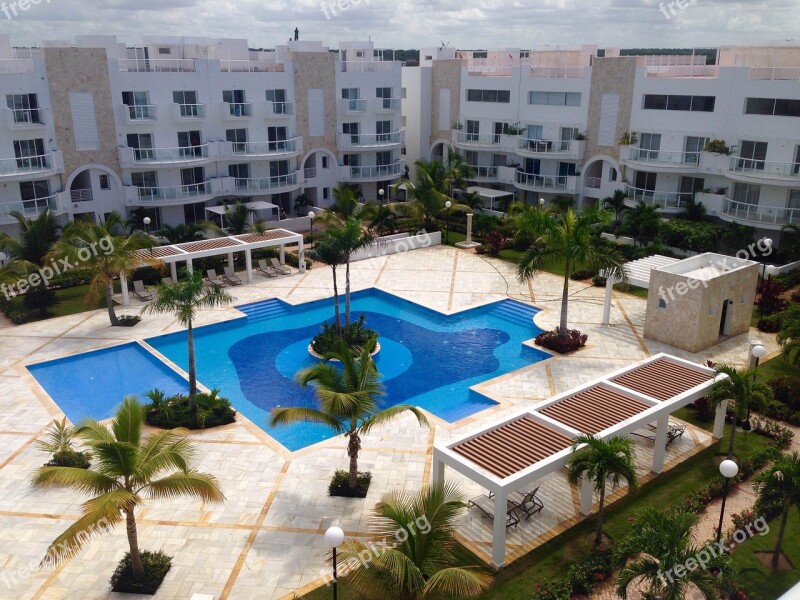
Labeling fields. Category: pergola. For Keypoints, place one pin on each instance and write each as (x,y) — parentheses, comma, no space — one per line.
(513,453)
(488,193)
(172,254)
(637,272)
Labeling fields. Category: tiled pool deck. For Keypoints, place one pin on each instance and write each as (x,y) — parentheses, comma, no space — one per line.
(266,541)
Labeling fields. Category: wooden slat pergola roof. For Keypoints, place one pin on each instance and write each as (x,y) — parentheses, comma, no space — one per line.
(595,409)
(661,379)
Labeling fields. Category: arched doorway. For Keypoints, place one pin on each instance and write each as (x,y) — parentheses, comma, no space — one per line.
(320,173)
(92,191)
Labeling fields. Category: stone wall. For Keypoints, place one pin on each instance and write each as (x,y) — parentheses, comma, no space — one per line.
(315,70)
(610,76)
(446,75)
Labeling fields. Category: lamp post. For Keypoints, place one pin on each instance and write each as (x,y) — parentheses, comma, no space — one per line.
(334,537)
(768,243)
(729,470)
(541,202)
(447,205)
(146,222)
(381,192)
(311,216)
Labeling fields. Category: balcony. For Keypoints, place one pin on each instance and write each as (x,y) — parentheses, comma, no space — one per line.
(160,65)
(372,173)
(775,73)
(29,208)
(667,202)
(480,173)
(25,118)
(680,161)
(132,158)
(179,194)
(387,104)
(749,169)
(765,217)
(354,105)
(251,66)
(237,110)
(363,141)
(545,183)
(557,72)
(14,169)
(572,149)
(140,113)
(268,185)
(367,66)
(260,150)
(188,112)
(475,140)
(278,110)
(17,65)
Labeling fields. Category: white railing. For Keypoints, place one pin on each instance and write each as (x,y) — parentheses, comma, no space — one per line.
(280,109)
(764,168)
(661,157)
(540,182)
(17,65)
(775,73)
(27,165)
(267,184)
(480,172)
(366,66)
(251,66)
(81,195)
(158,65)
(370,139)
(29,208)
(656,198)
(774,215)
(238,109)
(489,71)
(178,192)
(191,111)
(169,155)
(593,182)
(682,71)
(310,172)
(141,112)
(560,72)
(25,117)
(355,104)
(265,148)
(478,139)
(374,172)
(389,104)
(543,146)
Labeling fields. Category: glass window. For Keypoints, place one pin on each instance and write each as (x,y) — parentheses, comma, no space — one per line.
(760,106)
(238,137)
(703,103)
(104,182)
(679,103)
(655,102)
(787,108)
(573,99)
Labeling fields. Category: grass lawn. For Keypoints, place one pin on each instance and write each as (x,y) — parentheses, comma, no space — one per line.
(777,367)
(71,303)
(553,558)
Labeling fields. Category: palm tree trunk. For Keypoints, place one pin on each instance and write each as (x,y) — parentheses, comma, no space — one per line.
(337,316)
(779,543)
(564,301)
(598,538)
(133,541)
(192,364)
(347,293)
(352,451)
(733,433)
(112,316)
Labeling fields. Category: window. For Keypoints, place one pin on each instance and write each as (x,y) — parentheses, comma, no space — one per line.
(138,104)
(471,157)
(238,137)
(34,190)
(187,102)
(779,107)
(645,184)
(567,135)
(752,155)
(277,138)
(324,162)
(193,180)
(403,93)
(679,102)
(352,160)
(24,108)
(240,172)
(30,154)
(163,50)
(235,99)
(649,145)
(278,168)
(142,144)
(794,201)
(278,99)
(104,182)
(535,132)
(473,131)
(498,160)
(147,182)
(567,169)
(501,96)
(383,92)
(689,186)
(746,193)
(352,95)
(383,159)
(326,193)
(692,146)
(383,131)
(352,129)
(796,166)
(190,143)
(555,98)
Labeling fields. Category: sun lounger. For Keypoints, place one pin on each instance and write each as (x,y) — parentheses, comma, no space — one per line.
(214,279)
(283,270)
(674,431)
(266,270)
(486,506)
(231,277)
(528,503)
(140,291)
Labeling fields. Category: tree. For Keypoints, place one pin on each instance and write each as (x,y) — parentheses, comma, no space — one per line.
(347,399)
(327,250)
(570,237)
(562,204)
(615,203)
(457,172)
(346,205)
(789,334)
(238,217)
(642,222)
(105,251)
(603,461)
(185,232)
(350,237)
(129,469)
(790,241)
(427,196)
(742,387)
(183,299)
(778,487)
(659,541)
(422,564)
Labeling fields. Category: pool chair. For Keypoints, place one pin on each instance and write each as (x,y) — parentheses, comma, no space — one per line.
(213,279)
(140,292)
(527,503)
(266,270)
(486,506)
(283,270)
(231,277)
(674,431)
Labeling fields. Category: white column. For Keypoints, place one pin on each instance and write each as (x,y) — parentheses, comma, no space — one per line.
(173,271)
(607,302)
(751,360)
(437,471)
(230,259)
(283,255)
(248,263)
(469,227)
(660,447)
(587,496)
(301,253)
(189,266)
(499,530)
(719,419)
(123,284)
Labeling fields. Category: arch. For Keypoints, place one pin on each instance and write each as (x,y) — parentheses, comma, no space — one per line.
(601,157)
(87,167)
(443,142)
(321,149)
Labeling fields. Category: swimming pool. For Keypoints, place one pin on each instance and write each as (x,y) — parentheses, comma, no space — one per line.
(427,359)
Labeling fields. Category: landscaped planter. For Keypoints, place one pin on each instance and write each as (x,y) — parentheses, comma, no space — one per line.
(373,354)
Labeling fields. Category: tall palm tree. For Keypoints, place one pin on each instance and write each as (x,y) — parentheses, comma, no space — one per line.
(789,334)
(347,399)
(129,469)
(746,392)
(428,195)
(183,299)
(351,237)
(615,203)
(603,462)
(422,565)
(779,487)
(184,232)
(659,541)
(457,171)
(105,250)
(346,205)
(573,238)
(327,250)
(562,204)
(642,222)
(238,217)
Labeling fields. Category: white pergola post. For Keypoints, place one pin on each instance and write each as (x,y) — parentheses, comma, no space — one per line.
(230,259)
(660,447)
(123,284)
(248,263)
(173,271)
(719,419)
(301,262)
(189,266)
(469,227)
(587,496)
(283,254)
(499,530)
(437,470)
(610,281)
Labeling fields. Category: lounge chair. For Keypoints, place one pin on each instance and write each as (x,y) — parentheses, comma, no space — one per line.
(283,270)
(214,279)
(231,276)
(265,269)
(486,506)
(140,291)
(528,503)
(674,431)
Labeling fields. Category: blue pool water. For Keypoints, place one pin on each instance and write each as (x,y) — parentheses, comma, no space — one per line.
(427,359)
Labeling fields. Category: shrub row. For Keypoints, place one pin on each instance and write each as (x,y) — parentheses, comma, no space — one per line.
(697,236)
(581,579)
(200,412)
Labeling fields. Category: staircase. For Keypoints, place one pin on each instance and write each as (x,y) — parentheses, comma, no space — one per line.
(263,311)
(515,312)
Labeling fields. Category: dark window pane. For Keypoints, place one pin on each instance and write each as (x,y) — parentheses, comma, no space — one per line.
(679,103)
(787,108)
(473,95)
(655,102)
(703,103)
(760,106)
(504,96)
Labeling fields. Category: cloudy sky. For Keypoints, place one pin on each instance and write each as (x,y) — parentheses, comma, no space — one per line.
(415,23)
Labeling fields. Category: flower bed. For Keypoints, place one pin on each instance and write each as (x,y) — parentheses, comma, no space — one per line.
(563,344)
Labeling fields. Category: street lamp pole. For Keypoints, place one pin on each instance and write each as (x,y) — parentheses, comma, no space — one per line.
(334,537)
(146,222)
(729,470)
(447,204)
(381,192)
(311,216)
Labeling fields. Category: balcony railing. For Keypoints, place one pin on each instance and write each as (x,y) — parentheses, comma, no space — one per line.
(657,198)
(181,154)
(366,66)
(766,169)
(594,182)
(363,140)
(267,184)
(355,104)
(540,182)
(265,148)
(174,193)
(190,111)
(560,72)
(28,165)
(389,104)
(251,66)
(682,71)
(81,195)
(310,172)
(765,215)
(775,73)
(159,65)
(479,172)
(544,146)
(141,112)
(29,208)
(17,65)
(374,172)
(281,109)
(26,117)
(475,139)
(489,71)
(664,158)
(238,109)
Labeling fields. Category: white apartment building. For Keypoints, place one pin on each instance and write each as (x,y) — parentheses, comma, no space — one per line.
(179,125)
(550,122)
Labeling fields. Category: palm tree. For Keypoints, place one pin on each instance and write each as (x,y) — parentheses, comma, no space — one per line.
(790,243)
(422,565)
(789,334)
(327,250)
(642,222)
(427,196)
(573,238)
(183,299)
(779,487)
(562,204)
(238,217)
(185,232)
(347,398)
(457,171)
(350,237)
(615,203)
(346,205)
(129,469)
(105,251)
(746,392)
(603,461)
(658,542)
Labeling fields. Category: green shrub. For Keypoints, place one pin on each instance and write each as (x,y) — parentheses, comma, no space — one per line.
(340,485)
(789,279)
(697,236)
(149,275)
(561,344)
(69,458)
(129,320)
(156,567)
(207,410)
(40,299)
(770,324)
(552,589)
(356,336)
(18,317)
